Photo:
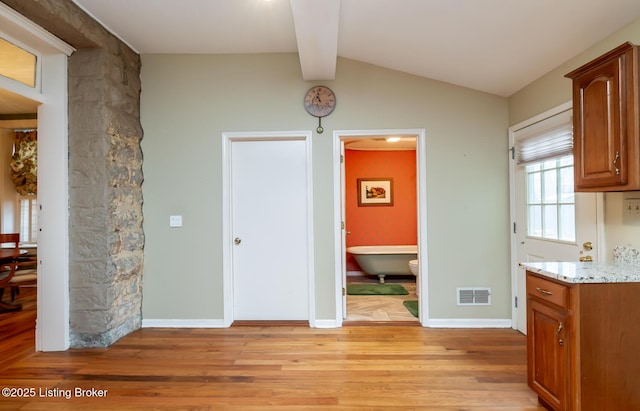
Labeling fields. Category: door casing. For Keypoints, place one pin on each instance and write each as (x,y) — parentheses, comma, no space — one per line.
(517,279)
(339,232)
(52,329)
(228,138)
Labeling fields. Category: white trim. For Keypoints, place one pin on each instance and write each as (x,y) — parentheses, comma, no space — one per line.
(22,89)
(512,200)
(27,34)
(469,323)
(601,253)
(168,323)
(227,213)
(536,119)
(52,329)
(421,206)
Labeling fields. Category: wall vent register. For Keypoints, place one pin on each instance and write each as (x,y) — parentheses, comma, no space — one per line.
(474,296)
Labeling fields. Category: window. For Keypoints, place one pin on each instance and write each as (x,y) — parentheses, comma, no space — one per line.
(28,209)
(550,200)
(17,64)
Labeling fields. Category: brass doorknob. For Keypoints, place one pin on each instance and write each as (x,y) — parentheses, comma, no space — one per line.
(237,240)
(588,246)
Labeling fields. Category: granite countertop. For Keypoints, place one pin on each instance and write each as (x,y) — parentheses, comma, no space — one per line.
(593,272)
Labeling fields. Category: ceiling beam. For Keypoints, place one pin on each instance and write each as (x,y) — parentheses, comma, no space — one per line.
(316,24)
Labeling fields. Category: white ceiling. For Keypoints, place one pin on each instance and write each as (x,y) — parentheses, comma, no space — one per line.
(496,46)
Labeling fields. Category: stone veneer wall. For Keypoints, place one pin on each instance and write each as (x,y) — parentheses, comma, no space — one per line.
(105,174)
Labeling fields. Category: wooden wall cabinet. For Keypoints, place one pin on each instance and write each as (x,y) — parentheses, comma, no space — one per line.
(605,122)
(582,344)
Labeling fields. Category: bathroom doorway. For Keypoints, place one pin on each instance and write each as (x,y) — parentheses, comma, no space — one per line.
(396,160)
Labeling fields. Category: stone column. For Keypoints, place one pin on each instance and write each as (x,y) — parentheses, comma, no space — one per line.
(105,179)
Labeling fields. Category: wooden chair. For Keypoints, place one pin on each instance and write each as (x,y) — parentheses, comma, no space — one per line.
(25,271)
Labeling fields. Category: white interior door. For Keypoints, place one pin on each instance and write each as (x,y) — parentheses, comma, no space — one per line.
(270,233)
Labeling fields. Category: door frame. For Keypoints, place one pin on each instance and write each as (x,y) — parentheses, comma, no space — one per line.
(421,207)
(52,329)
(228,138)
(512,207)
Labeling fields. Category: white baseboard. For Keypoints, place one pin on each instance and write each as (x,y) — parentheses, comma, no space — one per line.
(468,323)
(158,323)
(356,273)
(432,323)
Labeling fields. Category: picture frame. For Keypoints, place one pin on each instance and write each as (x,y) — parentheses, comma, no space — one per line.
(375,192)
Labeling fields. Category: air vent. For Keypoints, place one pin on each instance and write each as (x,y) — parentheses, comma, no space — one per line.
(474,296)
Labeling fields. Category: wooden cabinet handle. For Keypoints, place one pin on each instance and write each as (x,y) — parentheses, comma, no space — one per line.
(542,291)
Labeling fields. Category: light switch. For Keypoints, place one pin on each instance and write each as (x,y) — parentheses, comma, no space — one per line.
(175,221)
(631,211)
(632,207)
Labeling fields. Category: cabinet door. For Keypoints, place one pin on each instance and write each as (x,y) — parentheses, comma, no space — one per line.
(548,353)
(600,153)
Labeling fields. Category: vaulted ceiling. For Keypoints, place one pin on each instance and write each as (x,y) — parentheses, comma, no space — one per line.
(496,46)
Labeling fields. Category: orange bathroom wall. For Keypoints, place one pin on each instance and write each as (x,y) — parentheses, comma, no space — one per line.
(381,225)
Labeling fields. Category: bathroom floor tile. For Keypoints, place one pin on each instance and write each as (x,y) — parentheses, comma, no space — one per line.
(381,308)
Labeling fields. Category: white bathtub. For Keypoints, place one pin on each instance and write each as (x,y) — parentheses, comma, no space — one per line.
(383,260)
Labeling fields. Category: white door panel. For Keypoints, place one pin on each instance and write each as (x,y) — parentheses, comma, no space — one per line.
(531,249)
(269,229)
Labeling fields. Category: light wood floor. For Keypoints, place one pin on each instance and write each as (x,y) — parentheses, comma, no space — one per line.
(272,366)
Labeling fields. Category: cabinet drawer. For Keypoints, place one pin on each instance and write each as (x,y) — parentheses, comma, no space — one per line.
(546,290)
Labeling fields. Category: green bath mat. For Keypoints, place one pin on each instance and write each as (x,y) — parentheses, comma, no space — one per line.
(376,289)
(412,306)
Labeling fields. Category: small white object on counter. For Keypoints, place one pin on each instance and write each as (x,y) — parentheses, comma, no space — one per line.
(578,272)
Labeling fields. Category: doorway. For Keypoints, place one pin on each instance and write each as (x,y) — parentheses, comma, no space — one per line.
(373,138)
(550,221)
(269,256)
(52,332)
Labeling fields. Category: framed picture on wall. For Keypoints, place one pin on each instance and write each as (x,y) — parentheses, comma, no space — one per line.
(375,192)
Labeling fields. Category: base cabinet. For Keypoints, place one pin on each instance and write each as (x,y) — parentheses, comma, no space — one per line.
(582,344)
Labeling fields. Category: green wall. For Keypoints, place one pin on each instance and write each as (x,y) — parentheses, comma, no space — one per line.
(188,101)
(553,89)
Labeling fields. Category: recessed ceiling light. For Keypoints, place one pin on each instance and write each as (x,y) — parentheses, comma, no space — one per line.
(393,139)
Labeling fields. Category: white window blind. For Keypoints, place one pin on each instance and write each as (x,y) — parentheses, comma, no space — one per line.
(548,138)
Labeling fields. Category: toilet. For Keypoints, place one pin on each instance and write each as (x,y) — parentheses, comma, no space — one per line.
(415,270)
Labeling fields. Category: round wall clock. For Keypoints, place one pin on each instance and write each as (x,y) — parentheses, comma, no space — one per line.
(320,102)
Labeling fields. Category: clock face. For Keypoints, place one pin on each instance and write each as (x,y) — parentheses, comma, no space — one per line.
(319,101)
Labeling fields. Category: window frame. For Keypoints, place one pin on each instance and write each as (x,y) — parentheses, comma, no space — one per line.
(32,215)
(562,163)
